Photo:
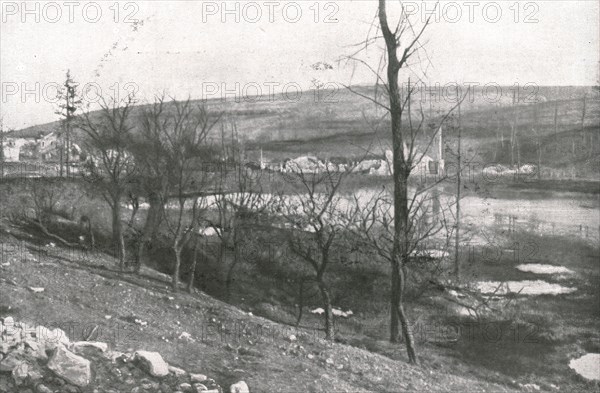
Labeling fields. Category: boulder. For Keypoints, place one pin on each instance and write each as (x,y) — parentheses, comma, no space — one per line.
(152,363)
(11,361)
(239,387)
(70,367)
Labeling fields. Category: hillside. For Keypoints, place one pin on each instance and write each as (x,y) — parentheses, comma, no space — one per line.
(87,299)
(340,125)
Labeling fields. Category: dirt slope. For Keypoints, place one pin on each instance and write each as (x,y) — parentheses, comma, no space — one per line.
(85,297)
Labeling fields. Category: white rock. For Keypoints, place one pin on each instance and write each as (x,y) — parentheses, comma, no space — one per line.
(177,371)
(153,363)
(239,387)
(72,368)
(186,336)
(198,377)
(80,345)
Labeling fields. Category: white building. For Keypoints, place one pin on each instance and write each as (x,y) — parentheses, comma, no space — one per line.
(11,148)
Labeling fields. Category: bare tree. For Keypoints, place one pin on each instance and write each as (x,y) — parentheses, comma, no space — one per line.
(402,42)
(240,200)
(184,131)
(458,191)
(318,222)
(111,166)
(152,158)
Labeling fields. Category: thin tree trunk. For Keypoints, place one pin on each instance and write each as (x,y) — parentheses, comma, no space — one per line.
(583,113)
(175,277)
(300,302)
(150,228)
(329,329)
(556,118)
(539,170)
(118,240)
(401,170)
(229,276)
(60,154)
(458,190)
(190,287)
(395,304)
(406,331)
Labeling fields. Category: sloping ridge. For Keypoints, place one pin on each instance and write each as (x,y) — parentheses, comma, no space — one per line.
(88,300)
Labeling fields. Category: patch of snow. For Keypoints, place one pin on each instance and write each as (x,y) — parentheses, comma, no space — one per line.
(336,312)
(588,366)
(431,253)
(140,322)
(539,268)
(209,231)
(526,287)
(339,313)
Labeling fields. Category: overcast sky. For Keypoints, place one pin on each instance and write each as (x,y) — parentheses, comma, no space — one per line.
(189,47)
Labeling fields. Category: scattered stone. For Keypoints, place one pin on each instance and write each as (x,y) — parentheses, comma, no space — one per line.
(239,387)
(20,373)
(198,378)
(177,371)
(25,366)
(41,388)
(72,368)
(12,360)
(152,363)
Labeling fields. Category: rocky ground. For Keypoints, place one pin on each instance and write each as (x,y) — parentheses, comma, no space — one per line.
(120,333)
(43,360)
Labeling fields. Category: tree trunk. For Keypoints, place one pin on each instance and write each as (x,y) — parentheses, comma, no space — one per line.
(175,278)
(539,170)
(395,304)
(118,240)
(556,119)
(458,190)
(406,331)
(150,228)
(329,330)
(190,287)
(230,271)
(583,113)
(300,302)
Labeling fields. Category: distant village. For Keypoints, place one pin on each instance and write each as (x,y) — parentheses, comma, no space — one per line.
(47,149)
(43,148)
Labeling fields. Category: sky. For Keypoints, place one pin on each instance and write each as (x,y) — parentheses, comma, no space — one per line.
(212,49)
